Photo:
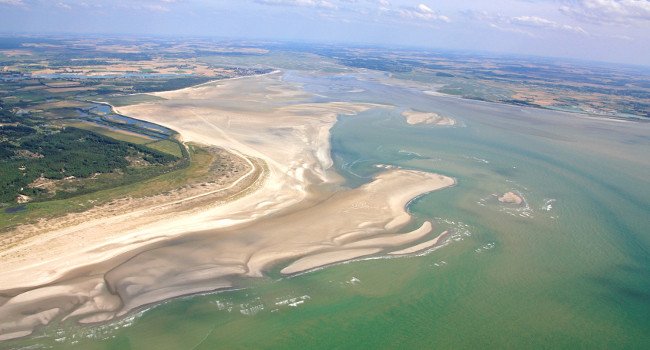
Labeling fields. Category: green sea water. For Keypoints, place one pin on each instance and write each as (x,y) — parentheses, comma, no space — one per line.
(569,269)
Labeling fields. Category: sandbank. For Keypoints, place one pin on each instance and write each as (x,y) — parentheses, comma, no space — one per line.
(318,260)
(511,198)
(416,117)
(420,247)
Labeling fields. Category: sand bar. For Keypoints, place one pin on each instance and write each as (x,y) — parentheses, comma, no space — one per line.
(419,247)
(432,118)
(511,198)
(313,261)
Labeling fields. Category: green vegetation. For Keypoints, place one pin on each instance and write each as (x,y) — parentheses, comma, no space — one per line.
(28,155)
(166,146)
(113,133)
(152,85)
(195,165)
(125,100)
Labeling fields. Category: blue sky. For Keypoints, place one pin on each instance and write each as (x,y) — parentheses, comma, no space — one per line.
(605,30)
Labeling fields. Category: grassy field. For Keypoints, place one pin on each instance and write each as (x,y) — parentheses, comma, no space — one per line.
(166,146)
(125,100)
(198,166)
(121,135)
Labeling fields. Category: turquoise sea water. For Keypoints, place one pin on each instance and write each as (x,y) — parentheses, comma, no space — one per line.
(570,269)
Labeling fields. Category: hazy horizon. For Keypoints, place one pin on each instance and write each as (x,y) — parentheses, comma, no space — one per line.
(613,31)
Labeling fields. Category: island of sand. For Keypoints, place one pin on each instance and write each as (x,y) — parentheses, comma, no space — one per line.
(287,208)
(431,118)
(511,198)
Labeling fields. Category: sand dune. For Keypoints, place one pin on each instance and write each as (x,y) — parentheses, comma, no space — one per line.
(297,213)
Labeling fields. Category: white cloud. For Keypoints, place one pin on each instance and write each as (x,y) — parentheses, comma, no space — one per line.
(143,6)
(528,25)
(512,30)
(12,2)
(533,20)
(155,8)
(609,11)
(424,8)
(422,12)
(539,22)
(619,37)
(384,5)
(64,5)
(323,4)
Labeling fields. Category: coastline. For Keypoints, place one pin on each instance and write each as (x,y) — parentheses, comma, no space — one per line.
(287,144)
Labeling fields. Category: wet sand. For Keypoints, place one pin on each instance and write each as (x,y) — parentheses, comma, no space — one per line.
(296,213)
(511,198)
(416,117)
(317,260)
(422,246)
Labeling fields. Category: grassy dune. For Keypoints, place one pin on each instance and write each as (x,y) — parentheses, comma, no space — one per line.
(166,146)
(197,166)
(122,135)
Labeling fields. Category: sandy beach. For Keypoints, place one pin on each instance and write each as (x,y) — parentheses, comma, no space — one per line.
(289,209)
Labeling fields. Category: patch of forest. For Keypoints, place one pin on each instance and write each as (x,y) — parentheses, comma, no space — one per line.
(31,149)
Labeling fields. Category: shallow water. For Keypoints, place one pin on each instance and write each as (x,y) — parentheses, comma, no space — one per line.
(570,268)
(106,112)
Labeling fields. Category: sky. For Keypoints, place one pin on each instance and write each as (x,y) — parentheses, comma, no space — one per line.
(598,30)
